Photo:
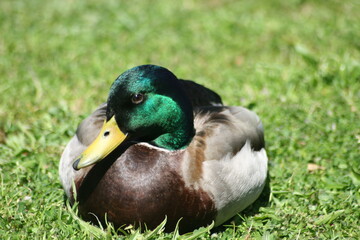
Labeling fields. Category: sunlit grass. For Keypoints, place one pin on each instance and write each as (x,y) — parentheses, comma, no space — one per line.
(296,63)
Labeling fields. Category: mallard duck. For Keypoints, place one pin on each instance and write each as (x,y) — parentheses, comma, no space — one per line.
(163,147)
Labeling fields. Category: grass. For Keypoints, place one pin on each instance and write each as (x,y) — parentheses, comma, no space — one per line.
(296,63)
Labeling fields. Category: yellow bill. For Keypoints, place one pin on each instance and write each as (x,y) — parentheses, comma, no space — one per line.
(108,139)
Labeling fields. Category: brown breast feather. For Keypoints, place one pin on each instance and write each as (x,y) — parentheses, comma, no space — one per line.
(142,186)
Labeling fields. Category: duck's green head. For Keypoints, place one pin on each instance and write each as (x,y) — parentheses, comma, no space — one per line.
(145,104)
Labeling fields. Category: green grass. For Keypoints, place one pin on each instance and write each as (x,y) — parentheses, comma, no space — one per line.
(296,63)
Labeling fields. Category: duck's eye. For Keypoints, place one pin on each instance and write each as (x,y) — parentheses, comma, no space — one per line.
(137,98)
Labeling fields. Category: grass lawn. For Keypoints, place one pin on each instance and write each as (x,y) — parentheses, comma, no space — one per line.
(296,63)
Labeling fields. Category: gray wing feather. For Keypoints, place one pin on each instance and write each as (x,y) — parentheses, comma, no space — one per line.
(251,126)
(90,127)
(227,129)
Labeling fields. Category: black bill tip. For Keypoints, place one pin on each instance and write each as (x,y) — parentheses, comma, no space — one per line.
(75,164)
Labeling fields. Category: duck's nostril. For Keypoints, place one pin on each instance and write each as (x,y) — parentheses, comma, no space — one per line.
(106,133)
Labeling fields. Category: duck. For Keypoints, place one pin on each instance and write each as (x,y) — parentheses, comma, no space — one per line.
(163,147)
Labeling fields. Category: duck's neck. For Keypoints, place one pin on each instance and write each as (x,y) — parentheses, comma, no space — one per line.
(178,139)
